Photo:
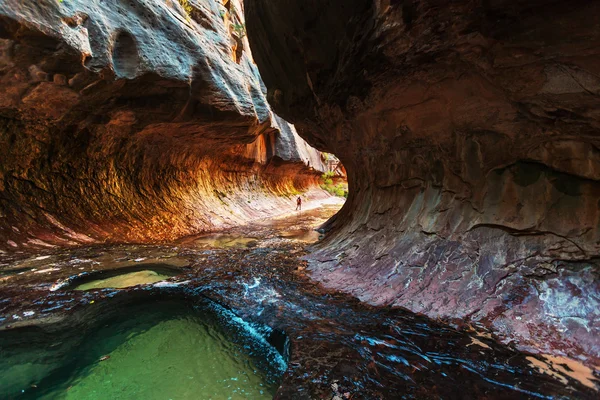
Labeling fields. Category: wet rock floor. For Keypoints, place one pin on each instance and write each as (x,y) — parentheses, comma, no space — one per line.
(339,347)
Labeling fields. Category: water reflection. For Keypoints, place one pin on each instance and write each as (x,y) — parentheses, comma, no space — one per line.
(124,280)
(367,352)
(154,350)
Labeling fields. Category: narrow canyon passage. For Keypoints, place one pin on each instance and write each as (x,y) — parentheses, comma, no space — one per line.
(298,199)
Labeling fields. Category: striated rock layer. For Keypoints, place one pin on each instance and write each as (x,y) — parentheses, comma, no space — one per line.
(470,133)
(137,120)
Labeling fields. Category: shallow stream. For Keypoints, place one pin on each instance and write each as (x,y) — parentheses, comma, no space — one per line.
(220,326)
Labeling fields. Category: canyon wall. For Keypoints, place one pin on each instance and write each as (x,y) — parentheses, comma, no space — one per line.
(139,120)
(470,133)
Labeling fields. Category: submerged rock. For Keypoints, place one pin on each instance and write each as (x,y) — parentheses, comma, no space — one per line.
(331,338)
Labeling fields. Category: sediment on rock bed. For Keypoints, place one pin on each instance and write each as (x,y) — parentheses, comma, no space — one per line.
(136,121)
(469,131)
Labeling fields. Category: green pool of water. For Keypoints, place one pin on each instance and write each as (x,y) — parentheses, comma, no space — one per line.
(301,235)
(222,241)
(124,280)
(155,351)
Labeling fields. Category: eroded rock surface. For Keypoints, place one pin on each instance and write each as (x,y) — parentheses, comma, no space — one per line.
(338,344)
(469,130)
(136,120)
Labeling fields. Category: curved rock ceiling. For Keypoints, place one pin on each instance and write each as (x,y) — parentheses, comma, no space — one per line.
(135,121)
(469,130)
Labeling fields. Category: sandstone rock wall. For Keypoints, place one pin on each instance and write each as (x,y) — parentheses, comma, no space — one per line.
(469,130)
(135,121)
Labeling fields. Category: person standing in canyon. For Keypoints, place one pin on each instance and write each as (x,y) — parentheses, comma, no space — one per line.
(299,203)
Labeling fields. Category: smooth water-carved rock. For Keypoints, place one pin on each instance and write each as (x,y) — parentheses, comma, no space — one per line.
(469,131)
(135,121)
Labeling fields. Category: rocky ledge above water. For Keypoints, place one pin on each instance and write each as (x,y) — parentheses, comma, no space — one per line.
(136,121)
(469,130)
(338,345)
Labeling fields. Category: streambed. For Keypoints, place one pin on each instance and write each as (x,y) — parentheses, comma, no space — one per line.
(337,345)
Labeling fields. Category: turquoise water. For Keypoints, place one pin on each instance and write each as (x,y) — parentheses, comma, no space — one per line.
(152,351)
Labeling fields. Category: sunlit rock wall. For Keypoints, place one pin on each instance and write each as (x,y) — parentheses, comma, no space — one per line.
(136,120)
(470,133)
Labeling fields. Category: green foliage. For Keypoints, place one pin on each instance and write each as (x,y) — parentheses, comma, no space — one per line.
(328,157)
(240,30)
(341,189)
(185,4)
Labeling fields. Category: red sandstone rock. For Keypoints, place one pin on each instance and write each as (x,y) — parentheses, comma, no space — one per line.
(469,131)
(131,121)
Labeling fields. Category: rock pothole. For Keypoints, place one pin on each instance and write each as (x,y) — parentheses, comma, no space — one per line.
(125,56)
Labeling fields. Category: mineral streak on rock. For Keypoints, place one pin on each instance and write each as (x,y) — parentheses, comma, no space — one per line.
(469,130)
(135,120)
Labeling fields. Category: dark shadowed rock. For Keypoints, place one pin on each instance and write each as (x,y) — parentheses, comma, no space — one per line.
(469,130)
